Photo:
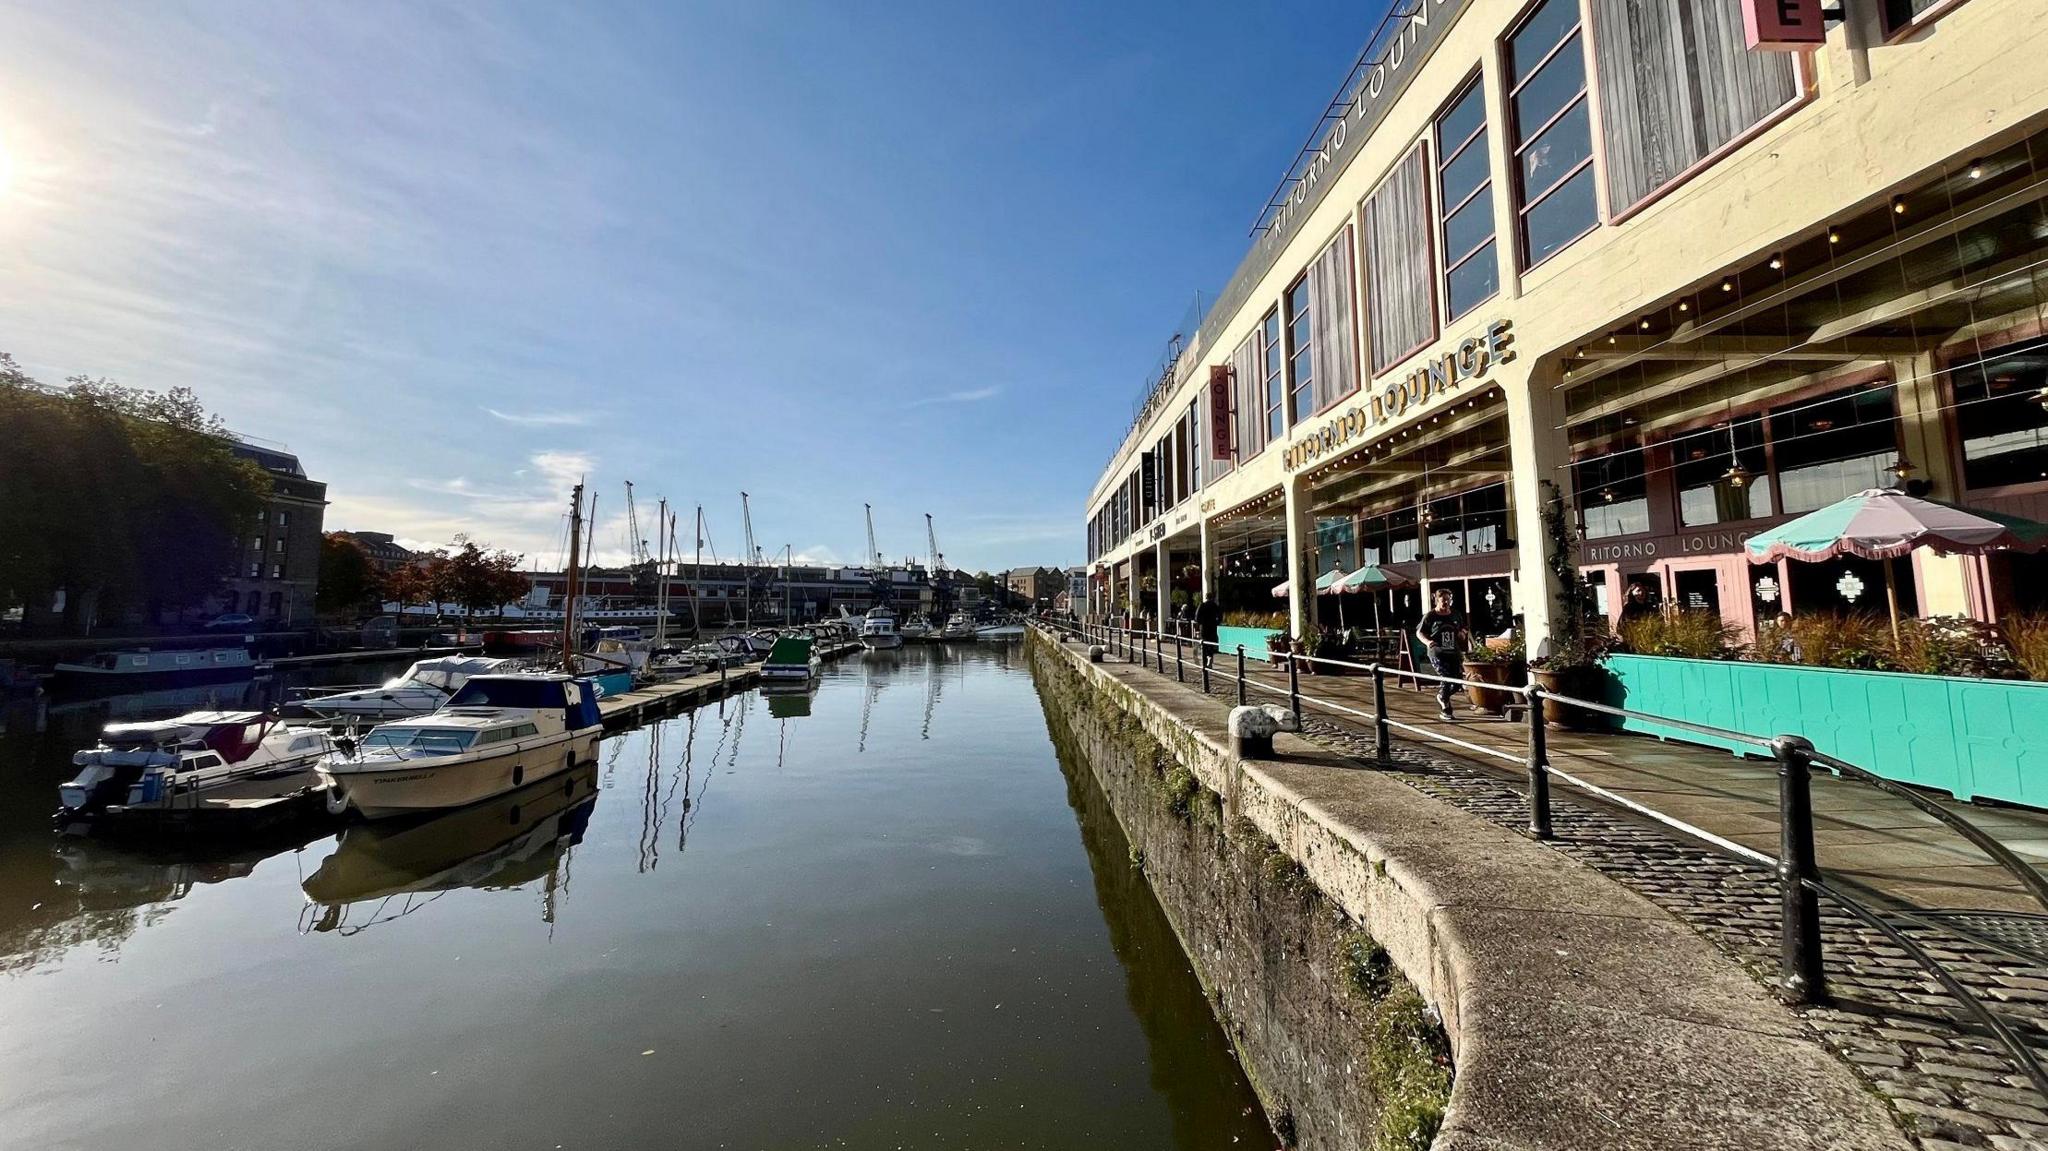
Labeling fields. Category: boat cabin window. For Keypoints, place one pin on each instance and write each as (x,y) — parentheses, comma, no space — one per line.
(201,761)
(434,740)
(501,734)
(308,743)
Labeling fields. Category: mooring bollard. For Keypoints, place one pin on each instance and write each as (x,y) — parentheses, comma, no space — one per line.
(1240,675)
(1539,765)
(1382,736)
(1799,958)
(1294,688)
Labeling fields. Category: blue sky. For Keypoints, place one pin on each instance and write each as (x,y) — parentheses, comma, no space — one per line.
(914,255)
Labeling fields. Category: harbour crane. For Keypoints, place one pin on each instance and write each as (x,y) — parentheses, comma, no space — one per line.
(941,579)
(641,566)
(878,571)
(759,577)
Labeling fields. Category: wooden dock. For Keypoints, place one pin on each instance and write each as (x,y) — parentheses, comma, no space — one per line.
(653,701)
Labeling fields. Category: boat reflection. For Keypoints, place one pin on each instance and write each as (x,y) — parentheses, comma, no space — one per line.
(376,871)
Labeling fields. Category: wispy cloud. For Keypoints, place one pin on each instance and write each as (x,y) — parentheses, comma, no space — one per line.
(969,396)
(542,419)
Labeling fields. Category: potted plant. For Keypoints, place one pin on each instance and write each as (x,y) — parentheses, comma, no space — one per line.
(1572,668)
(1500,666)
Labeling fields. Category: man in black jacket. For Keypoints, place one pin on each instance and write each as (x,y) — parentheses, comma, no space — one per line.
(1208,618)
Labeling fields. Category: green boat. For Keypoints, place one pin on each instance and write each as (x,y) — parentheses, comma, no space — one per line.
(791,660)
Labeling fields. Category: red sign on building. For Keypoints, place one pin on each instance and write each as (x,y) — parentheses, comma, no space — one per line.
(1783,25)
(1219,412)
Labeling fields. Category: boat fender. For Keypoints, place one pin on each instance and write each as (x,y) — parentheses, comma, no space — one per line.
(518,775)
(337,801)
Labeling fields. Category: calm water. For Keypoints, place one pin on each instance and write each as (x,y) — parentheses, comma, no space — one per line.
(879,915)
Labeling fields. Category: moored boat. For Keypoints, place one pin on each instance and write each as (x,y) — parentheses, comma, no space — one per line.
(792,660)
(878,629)
(498,733)
(137,668)
(140,767)
(424,687)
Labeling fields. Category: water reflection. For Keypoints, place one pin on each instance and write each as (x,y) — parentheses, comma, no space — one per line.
(380,872)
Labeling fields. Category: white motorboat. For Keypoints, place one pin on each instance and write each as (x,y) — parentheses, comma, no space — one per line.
(424,687)
(878,629)
(152,765)
(498,733)
(959,625)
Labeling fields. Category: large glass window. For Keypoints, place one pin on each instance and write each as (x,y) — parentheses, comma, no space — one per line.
(1613,492)
(1402,544)
(1552,131)
(2001,420)
(1273,359)
(1465,192)
(1900,14)
(1300,354)
(1722,474)
(1835,447)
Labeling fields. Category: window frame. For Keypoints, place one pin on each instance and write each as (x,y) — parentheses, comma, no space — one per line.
(1444,209)
(1272,402)
(1362,212)
(1980,349)
(1504,48)
(1893,34)
(1293,384)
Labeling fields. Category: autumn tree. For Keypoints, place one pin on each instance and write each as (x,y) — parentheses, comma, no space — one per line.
(482,579)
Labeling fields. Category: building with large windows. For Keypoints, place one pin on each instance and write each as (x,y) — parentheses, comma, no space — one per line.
(1594,289)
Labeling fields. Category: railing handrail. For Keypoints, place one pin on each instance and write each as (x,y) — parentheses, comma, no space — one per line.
(1792,752)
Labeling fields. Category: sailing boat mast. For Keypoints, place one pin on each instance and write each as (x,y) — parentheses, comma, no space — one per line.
(697,579)
(569,580)
(661,534)
(752,554)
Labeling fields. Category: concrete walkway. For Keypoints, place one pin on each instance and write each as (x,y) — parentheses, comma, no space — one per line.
(1875,841)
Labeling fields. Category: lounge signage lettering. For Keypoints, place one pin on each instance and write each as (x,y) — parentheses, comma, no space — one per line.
(1471,360)
(1689,544)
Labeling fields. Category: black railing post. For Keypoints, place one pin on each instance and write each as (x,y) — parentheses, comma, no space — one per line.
(1539,765)
(1240,675)
(1203,655)
(1382,736)
(1799,958)
(1159,651)
(1179,668)
(1294,687)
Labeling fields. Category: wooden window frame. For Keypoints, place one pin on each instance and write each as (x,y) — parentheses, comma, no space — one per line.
(1268,406)
(1912,27)
(1517,145)
(1291,385)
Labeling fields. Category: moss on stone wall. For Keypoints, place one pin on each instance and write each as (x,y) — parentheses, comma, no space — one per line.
(1342,1050)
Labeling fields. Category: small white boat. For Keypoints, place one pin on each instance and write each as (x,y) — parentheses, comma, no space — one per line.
(498,733)
(144,667)
(425,686)
(999,631)
(791,661)
(959,626)
(878,629)
(141,766)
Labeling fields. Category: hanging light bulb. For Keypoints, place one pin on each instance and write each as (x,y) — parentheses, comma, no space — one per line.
(1728,285)
(1976,170)
(1834,237)
(1902,471)
(1606,495)
(1777,262)
(1899,206)
(1736,476)
(2041,398)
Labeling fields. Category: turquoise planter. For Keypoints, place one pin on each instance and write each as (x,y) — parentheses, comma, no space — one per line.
(1973,738)
(1253,639)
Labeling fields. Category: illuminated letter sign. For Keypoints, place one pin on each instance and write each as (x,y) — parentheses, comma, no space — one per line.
(1783,25)
(1219,412)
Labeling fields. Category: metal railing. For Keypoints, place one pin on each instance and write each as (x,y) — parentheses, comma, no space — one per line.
(1802,978)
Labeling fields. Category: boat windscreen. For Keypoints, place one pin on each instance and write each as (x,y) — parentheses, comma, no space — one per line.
(427,740)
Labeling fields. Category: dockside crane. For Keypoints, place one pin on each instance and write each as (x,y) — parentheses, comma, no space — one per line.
(759,577)
(641,566)
(879,587)
(941,578)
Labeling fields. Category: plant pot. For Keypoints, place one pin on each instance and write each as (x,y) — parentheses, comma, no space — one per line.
(1581,682)
(1491,699)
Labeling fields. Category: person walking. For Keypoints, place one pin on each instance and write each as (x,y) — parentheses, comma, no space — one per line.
(1208,618)
(1444,635)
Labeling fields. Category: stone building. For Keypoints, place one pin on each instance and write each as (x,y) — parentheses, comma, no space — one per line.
(279,572)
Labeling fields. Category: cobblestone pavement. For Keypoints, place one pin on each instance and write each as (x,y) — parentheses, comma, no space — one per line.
(1951,1083)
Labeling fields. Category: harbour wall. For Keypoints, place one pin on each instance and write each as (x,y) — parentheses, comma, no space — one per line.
(1324,906)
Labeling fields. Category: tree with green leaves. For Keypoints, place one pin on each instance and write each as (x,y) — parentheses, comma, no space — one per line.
(122,498)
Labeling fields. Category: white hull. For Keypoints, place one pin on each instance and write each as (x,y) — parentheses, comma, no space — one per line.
(385,787)
(881,642)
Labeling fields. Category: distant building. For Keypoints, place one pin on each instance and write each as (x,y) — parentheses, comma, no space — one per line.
(279,570)
(1037,585)
(385,553)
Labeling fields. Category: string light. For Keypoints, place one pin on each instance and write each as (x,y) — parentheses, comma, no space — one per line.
(1728,285)
(1899,206)
(1834,237)
(1777,262)
(1976,170)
